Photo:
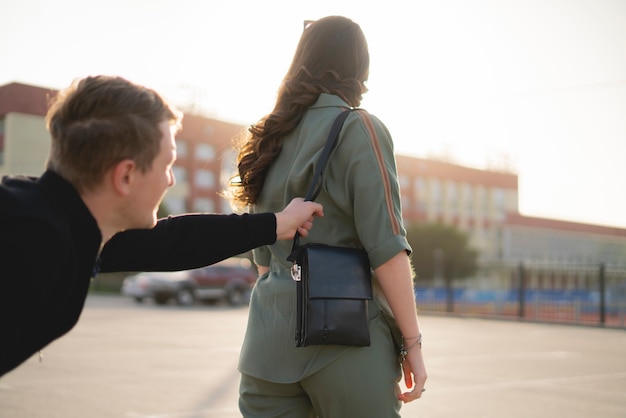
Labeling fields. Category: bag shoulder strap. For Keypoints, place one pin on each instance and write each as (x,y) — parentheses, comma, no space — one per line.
(316,184)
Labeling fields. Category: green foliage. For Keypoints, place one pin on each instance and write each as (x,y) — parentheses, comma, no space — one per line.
(441,251)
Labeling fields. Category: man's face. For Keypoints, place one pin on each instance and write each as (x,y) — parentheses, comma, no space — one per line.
(152,185)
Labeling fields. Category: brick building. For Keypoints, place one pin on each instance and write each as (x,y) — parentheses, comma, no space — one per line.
(482,203)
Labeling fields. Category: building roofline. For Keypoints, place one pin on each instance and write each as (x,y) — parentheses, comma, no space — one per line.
(455,172)
(24,98)
(544,223)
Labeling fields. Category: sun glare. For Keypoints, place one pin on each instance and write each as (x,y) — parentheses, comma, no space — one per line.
(535,86)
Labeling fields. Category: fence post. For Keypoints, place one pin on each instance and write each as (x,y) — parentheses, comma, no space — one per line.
(602,290)
(449,295)
(521,297)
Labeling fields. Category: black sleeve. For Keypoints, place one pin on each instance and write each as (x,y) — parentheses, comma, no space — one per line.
(31,257)
(187,241)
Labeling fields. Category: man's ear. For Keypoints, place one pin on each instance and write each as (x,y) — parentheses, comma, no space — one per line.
(123,173)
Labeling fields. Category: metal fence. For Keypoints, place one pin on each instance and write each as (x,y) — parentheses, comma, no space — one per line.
(573,294)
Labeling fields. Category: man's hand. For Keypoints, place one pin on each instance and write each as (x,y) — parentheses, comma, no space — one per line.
(297,216)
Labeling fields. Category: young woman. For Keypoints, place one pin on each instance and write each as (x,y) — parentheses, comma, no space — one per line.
(361,201)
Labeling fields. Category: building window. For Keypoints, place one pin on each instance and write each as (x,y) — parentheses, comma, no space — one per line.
(181,148)
(175,205)
(404,181)
(229,167)
(225,206)
(205,179)
(204,204)
(205,152)
(436,195)
(420,194)
(420,187)
(406,203)
(499,203)
(481,199)
(468,199)
(485,201)
(180,173)
(453,198)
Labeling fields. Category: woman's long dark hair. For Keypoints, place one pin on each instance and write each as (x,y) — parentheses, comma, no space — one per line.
(332,57)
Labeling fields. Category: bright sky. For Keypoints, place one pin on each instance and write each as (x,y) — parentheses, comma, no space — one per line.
(536,85)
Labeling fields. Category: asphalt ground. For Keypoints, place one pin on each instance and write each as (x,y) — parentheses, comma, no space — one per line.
(139,361)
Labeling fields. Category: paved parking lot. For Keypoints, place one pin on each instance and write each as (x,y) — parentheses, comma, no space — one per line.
(140,361)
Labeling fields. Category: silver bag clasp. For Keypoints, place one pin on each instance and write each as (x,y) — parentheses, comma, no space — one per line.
(296,271)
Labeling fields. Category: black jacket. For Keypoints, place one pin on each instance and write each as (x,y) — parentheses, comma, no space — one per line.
(49,244)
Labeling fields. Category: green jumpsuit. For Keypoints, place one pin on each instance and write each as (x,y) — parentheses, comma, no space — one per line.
(361,200)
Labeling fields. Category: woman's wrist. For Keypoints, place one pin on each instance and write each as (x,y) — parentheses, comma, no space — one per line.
(419,337)
(408,344)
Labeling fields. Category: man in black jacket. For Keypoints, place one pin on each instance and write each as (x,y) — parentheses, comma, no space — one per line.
(94,209)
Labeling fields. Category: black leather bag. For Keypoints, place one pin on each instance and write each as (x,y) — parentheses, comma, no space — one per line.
(333,284)
(332,294)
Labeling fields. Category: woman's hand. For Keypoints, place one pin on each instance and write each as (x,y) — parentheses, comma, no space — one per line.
(414,375)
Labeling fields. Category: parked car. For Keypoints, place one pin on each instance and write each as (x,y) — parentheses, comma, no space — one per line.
(230,280)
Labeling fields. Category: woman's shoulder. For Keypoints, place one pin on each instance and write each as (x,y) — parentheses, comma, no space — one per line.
(369,118)
(369,127)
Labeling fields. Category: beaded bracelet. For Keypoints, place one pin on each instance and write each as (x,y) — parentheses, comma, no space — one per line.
(405,351)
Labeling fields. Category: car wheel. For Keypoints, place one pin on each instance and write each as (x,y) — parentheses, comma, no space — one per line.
(236,297)
(161,299)
(138,299)
(185,297)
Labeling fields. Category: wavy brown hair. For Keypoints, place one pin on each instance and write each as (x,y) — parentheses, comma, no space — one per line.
(332,57)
